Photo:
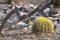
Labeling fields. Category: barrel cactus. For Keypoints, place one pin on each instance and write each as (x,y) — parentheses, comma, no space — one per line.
(42,25)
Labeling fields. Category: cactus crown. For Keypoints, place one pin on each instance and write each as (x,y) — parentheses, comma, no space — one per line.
(42,25)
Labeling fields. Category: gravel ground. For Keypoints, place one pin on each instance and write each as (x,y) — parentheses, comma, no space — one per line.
(24,33)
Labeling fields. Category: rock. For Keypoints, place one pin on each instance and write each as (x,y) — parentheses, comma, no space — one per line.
(35,7)
(30,26)
(21,23)
(31,5)
(25,30)
(29,10)
(12,19)
(46,10)
(22,13)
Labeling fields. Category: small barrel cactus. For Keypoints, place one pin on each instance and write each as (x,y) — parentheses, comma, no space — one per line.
(42,25)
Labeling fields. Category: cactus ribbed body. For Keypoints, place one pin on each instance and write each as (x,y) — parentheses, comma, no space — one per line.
(43,25)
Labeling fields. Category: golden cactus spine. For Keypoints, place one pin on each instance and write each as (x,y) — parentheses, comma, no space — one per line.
(43,25)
